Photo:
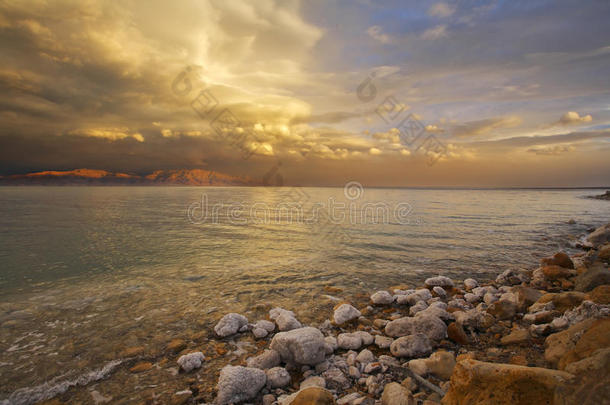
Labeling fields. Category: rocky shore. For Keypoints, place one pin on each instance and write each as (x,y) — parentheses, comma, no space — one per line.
(538,336)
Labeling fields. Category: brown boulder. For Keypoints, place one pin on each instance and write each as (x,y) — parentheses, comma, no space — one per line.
(176,345)
(141,367)
(516,337)
(595,276)
(559,259)
(555,272)
(477,382)
(396,394)
(601,294)
(456,333)
(562,342)
(526,296)
(313,396)
(604,252)
(596,337)
(503,309)
(567,300)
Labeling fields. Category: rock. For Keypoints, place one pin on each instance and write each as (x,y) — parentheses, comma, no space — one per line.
(511,277)
(586,310)
(594,276)
(277,377)
(437,311)
(230,324)
(383,342)
(141,367)
(382,298)
(330,344)
(470,284)
(597,336)
(600,236)
(418,366)
(348,399)
(489,298)
(265,360)
(300,346)
(354,340)
(313,381)
(430,325)
(516,337)
(191,361)
(555,272)
(176,346)
(476,382)
(365,356)
(541,317)
(335,379)
(440,292)
(354,372)
(526,296)
(284,319)
(237,383)
(441,364)
(419,306)
(262,328)
(503,309)
(416,345)
(345,313)
(604,253)
(598,362)
(396,394)
(474,319)
(567,300)
(440,281)
(310,396)
(600,294)
(560,343)
(456,333)
(559,259)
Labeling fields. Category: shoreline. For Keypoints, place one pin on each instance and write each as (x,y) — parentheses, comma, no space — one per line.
(466,317)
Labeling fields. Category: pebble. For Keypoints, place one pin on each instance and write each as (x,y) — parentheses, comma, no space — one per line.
(191,361)
(382,298)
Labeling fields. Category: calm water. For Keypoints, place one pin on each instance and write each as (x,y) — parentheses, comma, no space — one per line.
(88,271)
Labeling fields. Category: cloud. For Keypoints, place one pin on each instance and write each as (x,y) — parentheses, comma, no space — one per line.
(440,31)
(551,150)
(572,117)
(441,10)
(483,127)
(376,33)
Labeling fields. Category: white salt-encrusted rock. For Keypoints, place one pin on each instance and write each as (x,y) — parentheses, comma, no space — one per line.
(262,328)
(470,283)
(284,319)
(415,345)
(511,277)
(267,359)
(382,298)
(428,324)
(587,309)
(345,313)
(441,281)
(419,306)
(383,342)
(191,361)
(423,294)
(365,356)
(330,344)
(354,340)
(300,346)
(335,379)
(238,384)
(277,377)
(471,298)
(440,291)
(437,311)
(230,324)
(490,298)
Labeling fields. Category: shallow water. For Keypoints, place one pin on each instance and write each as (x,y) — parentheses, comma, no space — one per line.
(89,271)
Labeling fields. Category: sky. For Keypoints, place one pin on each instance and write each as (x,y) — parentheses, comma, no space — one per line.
(392,93)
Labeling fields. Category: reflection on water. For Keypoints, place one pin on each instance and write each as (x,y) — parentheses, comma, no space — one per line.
(89,271)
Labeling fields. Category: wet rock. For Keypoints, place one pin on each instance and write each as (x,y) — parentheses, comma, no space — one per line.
(594,276)
(345,313)
(230,324)
(383,342)
(310,396)
(141,367)
(382,298)
(456,333)
(476,382)
(600,236)
(284,319)
(396,394)
(313,381)
(559,259)
(516,337)
(415,345)
(440,281)
(277,377)
(470,284)
(511,277)
(555,272)
(237,383)
(191,361)
(300,346)
(176,346)
(265,360)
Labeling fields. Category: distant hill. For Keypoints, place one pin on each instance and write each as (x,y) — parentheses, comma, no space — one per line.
(185,177)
